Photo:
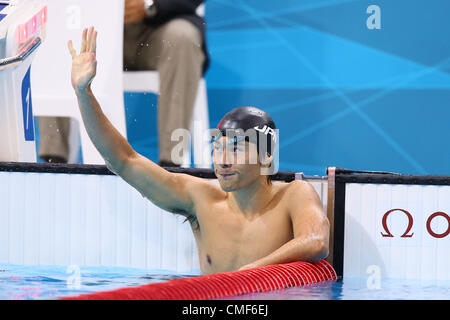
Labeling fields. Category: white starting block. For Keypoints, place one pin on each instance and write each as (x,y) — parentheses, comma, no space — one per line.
(22,30)
(53,95)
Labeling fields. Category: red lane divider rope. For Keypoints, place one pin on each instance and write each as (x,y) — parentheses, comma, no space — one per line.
(220,285)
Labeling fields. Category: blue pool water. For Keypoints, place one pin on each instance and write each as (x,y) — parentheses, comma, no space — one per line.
(50,282)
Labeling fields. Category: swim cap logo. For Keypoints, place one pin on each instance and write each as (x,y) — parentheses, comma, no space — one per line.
(267,130)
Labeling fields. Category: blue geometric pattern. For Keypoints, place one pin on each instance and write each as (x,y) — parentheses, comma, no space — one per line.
(2,6)
(141,120)
(341,94)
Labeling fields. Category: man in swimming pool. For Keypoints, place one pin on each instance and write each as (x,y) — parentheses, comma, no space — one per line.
(246,222)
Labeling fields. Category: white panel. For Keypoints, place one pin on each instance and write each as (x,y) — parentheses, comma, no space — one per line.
(368,252)
(321,187)
(65,219)
(16,218)
(93,224)
(427,248)
(123,225)
(31,219)
(324,196)
(47,218)
(399,223)
(352,234)
(317,185)
(443,260)
(4,215)
(416,255)
(50,80)
(195,259)
(61,243)
(414,204)
(77,232)
(13,145)
(184,245)
(137,231)
(108,203)
(169,241)
(154,247)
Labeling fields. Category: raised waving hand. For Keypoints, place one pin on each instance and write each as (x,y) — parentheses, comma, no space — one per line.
(84,64)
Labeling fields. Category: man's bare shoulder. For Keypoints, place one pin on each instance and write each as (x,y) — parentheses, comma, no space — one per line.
(201,188)
(300,190)
(294,186)
(291,192)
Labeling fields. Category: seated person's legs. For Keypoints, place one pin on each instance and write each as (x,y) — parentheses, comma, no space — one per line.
(180,70)
(134,36)
(174,49)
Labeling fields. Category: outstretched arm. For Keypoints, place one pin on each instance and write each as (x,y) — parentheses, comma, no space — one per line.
(167,190)
(108,141)
(310,225)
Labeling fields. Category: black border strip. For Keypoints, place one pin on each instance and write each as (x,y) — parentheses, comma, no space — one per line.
(394,179)
(339,228)
(348,176)
(286,176)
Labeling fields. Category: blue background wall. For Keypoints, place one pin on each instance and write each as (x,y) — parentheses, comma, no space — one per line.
(341,94)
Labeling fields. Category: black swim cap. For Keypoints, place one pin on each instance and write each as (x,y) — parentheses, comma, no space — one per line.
(245,118)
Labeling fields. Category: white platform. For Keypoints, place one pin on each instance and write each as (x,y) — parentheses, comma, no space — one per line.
(52,91)
(418,255)
(51,86)
(92,220)
(22,32)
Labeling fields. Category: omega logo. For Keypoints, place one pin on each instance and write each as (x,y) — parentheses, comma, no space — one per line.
(407,233)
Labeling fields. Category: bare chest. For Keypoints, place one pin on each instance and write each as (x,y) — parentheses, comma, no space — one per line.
(227,240)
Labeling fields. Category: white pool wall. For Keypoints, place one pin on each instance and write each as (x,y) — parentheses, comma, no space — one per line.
(92,220)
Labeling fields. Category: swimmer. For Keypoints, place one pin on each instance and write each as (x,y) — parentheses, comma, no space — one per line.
(244,222)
